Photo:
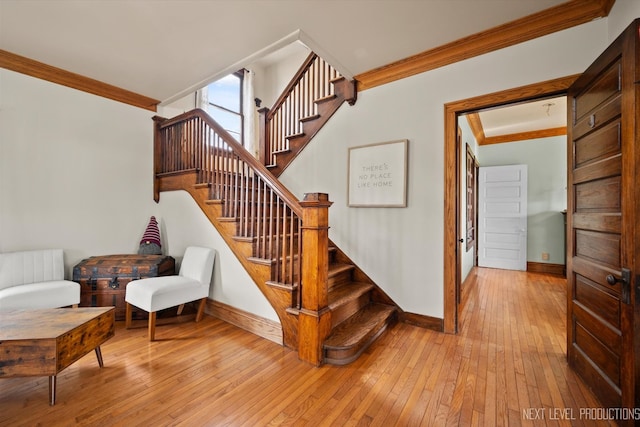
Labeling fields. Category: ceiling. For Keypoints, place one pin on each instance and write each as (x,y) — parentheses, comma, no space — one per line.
(522,119)
(165,48)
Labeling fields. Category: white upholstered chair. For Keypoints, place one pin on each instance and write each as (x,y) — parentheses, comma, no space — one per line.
(157,293)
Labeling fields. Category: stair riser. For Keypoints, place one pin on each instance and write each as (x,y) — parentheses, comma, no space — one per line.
(339,279)
(344,356)
(349,309)
(332,256)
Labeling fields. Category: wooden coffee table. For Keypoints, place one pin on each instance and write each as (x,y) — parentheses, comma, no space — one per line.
(44,342)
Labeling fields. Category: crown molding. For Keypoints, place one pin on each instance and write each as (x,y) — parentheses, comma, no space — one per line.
(561,17)
(524,136)
(30,67)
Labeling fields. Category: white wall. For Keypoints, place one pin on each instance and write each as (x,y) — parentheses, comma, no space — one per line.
(546,159)
(271,79)
(401,249)
(76,173)
(75,170)
(182,105)
(621,15)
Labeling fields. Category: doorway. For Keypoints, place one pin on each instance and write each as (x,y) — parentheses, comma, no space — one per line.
(452,167)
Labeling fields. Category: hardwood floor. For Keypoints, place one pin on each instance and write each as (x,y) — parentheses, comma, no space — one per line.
(507,366)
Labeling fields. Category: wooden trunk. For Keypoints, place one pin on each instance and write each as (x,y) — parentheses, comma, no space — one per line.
(103,279)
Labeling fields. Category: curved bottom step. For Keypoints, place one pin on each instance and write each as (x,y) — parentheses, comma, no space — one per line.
(353,336)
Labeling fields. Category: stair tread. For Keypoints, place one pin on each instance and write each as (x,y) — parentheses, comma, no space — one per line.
(359,327)
(337,268)
(283,151)
(340,294)
(309,118)
(294,135)
(326,98)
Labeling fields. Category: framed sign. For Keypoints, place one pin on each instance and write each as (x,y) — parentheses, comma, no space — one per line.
(378,175)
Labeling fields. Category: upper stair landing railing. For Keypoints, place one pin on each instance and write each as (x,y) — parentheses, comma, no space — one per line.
(289,124)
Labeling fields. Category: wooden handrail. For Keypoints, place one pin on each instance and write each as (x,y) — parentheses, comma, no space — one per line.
(293,83)
(241,152)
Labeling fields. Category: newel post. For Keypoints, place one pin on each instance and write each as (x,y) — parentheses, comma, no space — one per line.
(314,320)
(157,156)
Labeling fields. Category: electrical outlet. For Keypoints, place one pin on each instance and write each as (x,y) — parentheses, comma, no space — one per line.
(545,256)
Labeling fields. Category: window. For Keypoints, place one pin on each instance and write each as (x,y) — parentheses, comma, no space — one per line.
(223,101)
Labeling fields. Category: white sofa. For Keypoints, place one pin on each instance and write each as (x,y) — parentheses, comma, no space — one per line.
(35,279)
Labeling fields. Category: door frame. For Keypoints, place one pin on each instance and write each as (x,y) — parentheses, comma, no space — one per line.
(452,186)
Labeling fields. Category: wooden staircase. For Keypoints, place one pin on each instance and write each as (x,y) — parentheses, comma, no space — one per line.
(330,311)
(312,96)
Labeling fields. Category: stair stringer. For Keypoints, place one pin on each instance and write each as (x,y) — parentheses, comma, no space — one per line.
(279,297)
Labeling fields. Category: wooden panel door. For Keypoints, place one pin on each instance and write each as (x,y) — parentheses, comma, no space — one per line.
(502,217)
(603,224)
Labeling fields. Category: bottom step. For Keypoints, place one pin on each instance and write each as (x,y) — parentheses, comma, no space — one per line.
(353,336)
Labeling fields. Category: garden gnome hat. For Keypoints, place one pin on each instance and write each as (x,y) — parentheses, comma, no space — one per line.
(150,243)
(151,234)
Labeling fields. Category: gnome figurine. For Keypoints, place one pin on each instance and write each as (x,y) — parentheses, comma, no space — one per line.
(150,243)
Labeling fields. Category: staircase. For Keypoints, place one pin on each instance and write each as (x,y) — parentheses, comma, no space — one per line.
(329,309)
(314,93)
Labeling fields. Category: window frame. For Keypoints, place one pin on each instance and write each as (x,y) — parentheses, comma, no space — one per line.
(240,75)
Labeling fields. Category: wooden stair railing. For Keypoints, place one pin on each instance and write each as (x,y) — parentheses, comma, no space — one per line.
(329,310)
(314,93)
(259,218)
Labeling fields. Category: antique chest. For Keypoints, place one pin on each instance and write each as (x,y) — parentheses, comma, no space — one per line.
(103,279)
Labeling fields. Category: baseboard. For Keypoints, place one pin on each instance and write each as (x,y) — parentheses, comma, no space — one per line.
(542,267)
(423,321)
(260,326)
(469,283)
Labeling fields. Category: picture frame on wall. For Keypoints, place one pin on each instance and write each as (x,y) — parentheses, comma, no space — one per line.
(377,175)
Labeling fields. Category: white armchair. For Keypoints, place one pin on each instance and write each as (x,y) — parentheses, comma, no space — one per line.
(35,279)
(157,293)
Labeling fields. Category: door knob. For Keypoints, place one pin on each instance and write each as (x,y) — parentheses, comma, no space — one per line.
(612,280)
(625,282)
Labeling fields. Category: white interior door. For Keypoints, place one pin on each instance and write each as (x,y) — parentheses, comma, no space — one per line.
(502,217)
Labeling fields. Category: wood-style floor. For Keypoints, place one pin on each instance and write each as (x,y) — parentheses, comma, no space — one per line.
(507,366)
